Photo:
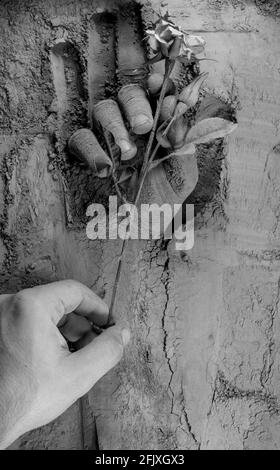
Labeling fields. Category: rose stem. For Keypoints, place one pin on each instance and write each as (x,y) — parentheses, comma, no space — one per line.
(144,170)
(115,286)
(118,191)
(148,166)
(168,69)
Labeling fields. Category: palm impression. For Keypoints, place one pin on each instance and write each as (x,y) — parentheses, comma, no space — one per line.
(133,105)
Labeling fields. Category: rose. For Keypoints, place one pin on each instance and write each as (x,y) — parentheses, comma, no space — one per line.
(168,40)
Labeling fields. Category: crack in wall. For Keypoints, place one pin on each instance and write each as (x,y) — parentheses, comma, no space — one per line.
(268,356)
(182,414)
(165,279)
(191,432)
(225,390)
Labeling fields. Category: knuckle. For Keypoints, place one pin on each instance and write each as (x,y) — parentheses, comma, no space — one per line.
(72,284)
(22,297)
(25,301)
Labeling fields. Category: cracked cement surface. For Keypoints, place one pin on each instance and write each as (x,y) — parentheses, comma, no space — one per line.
(203,369)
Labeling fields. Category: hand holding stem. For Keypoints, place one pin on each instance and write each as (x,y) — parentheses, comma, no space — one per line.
(148,158)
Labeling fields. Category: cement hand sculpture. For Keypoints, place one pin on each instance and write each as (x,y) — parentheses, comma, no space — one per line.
(174,121)
(173,125)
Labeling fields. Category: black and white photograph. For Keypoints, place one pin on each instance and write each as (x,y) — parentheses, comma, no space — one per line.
(139,228)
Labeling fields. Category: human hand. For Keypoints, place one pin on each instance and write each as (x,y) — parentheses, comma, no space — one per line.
(127,119)
(40,377)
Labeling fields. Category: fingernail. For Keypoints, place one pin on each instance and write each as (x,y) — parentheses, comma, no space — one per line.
(128,149)
(125,145)
(141,124)
(125,336)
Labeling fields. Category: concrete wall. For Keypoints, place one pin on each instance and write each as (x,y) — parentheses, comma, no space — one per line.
(202,371)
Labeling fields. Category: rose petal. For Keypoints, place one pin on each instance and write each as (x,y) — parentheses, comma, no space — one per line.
(164,49)
(160,39)
(176,32)
(153,43)
(175,49)
(194,41)
(166,35)
(173,42)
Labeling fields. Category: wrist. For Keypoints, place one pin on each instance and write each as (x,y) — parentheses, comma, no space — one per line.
(6,439)
(11,422)
(13,403)
(8,422)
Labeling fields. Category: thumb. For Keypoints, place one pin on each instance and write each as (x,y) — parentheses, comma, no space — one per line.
(90,363)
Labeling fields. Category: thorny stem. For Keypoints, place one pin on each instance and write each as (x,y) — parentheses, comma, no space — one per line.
(148,158)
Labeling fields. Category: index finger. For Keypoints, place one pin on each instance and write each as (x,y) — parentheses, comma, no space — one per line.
(63,297)
(137,108)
